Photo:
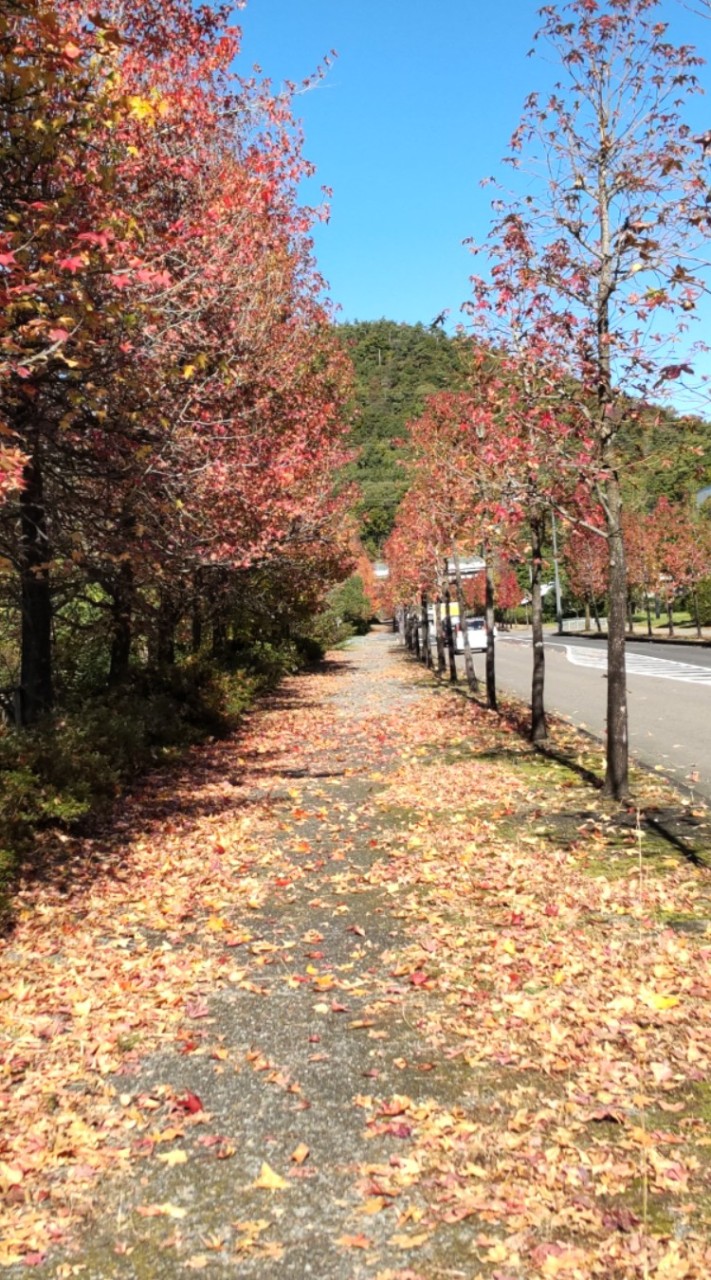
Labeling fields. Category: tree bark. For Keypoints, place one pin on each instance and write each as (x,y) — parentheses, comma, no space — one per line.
(617,772)
(451,650)
(491,701)
(468,659)
(36,686)
(439,636)
(415,635)
(539,727)
(427,656)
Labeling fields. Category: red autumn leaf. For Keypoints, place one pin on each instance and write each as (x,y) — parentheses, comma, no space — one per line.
(189,1102)
(71,263)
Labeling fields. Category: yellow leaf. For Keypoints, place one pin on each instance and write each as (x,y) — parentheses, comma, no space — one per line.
(654,1000)
(498,1253)
(141,108)
(189,371)
(268,1180)
(374,1204)
(216,923)
(173,1157)
(11,1176)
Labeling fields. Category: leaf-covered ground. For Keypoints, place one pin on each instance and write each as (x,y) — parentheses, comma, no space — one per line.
(371,990)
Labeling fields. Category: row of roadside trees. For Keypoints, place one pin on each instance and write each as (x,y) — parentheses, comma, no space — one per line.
(172,390)
(579,317)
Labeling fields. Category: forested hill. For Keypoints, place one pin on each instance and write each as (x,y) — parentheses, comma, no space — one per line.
(397,366)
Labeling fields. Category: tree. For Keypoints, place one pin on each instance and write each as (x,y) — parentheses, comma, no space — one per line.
(170,380)
(683,549)
(585,560)
(609,230)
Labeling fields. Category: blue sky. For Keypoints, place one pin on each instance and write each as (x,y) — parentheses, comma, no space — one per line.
(417,109)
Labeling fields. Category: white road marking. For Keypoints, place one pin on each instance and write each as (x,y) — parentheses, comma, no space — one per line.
(639,664)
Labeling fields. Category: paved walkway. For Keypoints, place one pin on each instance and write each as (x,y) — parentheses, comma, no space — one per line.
(414,1036)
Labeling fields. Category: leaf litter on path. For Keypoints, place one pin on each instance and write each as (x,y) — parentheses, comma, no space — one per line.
(336,993)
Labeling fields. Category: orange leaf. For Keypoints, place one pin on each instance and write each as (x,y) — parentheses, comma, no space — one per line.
(354,1242)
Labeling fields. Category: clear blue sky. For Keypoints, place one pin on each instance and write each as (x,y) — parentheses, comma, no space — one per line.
(417,109)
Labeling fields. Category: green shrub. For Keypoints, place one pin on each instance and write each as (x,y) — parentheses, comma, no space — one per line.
(309,648)
(704,600)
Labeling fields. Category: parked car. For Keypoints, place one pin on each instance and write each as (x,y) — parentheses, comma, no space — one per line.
(476,634)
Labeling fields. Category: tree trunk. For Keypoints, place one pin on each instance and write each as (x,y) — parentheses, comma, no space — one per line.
(36,691)
(649,616)
(596,613)
(587,613)
(449,633)
(122,625)
(617,773)
(468,659)
(539,728)
(670,614)
(427,656)
(439,636)
(490,620)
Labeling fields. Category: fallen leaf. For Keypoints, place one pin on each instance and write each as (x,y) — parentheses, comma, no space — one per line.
(268,1180)
(166,1210)
(354,1242)
(171,1158)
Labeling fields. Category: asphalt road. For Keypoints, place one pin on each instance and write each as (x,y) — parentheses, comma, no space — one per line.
(669,689)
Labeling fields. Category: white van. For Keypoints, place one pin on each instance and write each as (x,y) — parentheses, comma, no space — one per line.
(476,635)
